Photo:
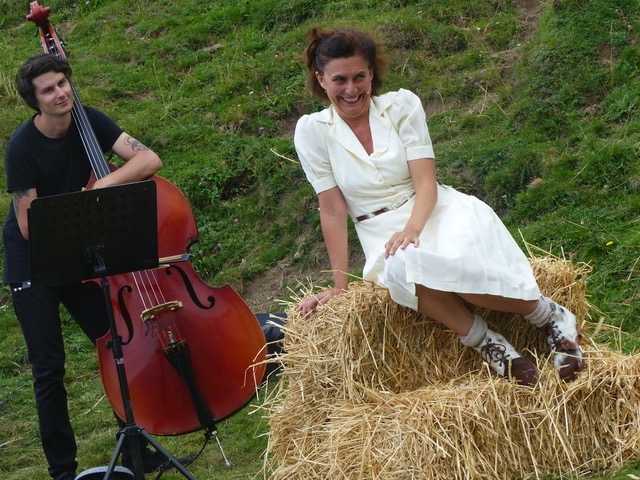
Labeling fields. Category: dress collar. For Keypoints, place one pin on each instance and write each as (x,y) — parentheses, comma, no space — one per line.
(341,133)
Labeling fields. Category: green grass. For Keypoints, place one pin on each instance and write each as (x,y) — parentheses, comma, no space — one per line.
(534,111)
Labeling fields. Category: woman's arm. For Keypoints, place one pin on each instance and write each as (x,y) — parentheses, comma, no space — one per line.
(333,219)
(423,176)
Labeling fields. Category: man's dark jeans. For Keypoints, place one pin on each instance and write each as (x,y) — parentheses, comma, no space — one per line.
(37,310)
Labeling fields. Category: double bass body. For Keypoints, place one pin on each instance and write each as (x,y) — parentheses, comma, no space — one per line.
(193,353)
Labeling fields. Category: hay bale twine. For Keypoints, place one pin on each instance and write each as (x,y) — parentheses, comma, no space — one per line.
(372,390)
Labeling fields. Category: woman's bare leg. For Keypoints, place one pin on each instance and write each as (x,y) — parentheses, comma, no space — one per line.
(446,308)
(449,308)
(501,304)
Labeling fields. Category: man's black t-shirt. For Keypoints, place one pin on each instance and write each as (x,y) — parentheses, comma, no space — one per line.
(52,166)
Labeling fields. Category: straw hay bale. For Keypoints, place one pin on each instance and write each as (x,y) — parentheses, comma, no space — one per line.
(372,390)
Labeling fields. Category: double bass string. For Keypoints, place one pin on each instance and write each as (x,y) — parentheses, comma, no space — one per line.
(89,140)
(149,290)
(146,283)
(55,47)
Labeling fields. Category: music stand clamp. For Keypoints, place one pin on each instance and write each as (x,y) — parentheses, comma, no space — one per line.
(96,234)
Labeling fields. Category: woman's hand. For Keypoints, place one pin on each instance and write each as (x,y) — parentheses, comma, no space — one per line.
(401,240)
(423,176)
(309,304)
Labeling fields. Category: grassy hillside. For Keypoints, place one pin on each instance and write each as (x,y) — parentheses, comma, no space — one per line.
(533,106)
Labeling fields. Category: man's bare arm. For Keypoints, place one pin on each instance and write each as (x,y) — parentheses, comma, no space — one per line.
(21,202)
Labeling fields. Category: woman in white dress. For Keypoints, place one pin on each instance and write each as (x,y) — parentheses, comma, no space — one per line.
(370,157)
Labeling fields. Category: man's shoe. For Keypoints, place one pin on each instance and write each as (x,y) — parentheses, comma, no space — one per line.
(563,339)
(505,360)
(98,473)
(152,460)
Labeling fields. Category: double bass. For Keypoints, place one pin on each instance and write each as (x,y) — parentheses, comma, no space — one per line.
(195,354)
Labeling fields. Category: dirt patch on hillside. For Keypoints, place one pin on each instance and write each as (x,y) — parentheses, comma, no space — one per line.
(270,291)
(275,286)
(530,11)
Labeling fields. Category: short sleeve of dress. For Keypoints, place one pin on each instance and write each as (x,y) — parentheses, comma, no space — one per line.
(409,118)
(310,143)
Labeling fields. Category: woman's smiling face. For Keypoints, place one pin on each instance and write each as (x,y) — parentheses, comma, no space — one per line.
(347,82)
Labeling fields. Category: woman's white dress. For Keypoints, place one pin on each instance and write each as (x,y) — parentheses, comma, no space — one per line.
(464,247)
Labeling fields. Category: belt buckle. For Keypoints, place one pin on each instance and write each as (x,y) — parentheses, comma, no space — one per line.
(398,203)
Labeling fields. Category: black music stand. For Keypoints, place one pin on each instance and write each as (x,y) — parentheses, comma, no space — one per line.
(95,234)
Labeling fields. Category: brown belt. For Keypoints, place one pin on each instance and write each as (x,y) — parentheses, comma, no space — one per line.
(367,216)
